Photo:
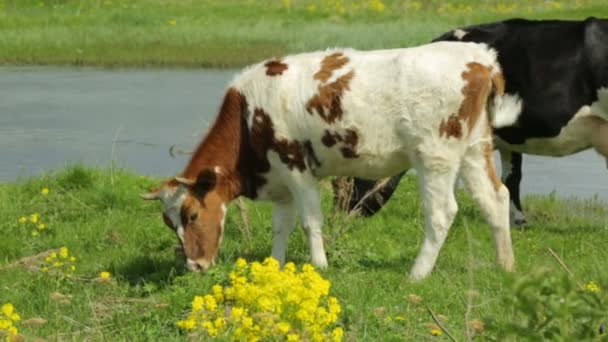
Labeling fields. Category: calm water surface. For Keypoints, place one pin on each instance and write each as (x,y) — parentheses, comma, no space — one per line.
(52,117)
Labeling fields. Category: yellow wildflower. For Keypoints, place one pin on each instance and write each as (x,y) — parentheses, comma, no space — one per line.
(435,331)
(34,233)
(104,275)
(22,219)
(236,313)
(63,252)
(8,309)
(187,324)
(41,226)
(44,191)
(283,327)
(592,287)
(35,217)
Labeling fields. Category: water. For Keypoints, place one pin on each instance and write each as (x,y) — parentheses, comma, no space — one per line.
(52,117)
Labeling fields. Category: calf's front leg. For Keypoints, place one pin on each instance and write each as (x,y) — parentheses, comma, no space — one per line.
(308,202)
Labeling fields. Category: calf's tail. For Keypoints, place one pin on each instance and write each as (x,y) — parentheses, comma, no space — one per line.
(503,109)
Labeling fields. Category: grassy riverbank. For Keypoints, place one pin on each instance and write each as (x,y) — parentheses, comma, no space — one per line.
(237,32)
(99,217)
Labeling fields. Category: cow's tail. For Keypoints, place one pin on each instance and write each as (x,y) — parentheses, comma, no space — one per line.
(503,109)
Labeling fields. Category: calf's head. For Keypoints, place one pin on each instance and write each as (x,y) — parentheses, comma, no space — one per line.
(195,210)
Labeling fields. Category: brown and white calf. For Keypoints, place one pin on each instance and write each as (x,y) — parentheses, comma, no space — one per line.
(288,122)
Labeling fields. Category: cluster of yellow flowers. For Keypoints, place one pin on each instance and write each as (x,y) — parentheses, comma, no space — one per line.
(342,7)
(33,222)
(8,318)
(62,262)
(264,302)
(592,287)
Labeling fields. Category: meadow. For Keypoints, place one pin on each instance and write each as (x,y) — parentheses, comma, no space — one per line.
(82,257)
(98,216)
(233,33)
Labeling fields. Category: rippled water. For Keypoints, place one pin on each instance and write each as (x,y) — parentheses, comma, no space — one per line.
(51,117)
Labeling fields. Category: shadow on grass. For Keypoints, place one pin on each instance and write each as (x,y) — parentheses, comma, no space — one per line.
(394,264)
(562,228)
(148,271)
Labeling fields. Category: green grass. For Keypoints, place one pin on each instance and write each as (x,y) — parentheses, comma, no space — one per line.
(98,215)
(189,33)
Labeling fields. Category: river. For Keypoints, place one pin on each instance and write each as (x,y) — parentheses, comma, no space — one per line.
(51,117)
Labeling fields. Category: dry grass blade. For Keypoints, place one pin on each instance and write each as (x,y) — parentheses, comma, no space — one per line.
(30,262)
(563,265)
(440,325)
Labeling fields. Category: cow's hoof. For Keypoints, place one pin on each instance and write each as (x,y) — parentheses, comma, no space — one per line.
(520,222)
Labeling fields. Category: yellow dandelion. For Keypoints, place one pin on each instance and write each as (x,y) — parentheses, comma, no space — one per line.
(73,259)
(45,191)
(34,233)
(435,331)
(41,226)
(35,217)
(104,275)
(22,219)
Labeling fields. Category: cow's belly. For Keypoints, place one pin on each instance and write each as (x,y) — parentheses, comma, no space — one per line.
(368,166)
(574,137)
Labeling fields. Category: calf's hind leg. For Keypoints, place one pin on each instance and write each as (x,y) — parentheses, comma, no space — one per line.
(436,184)
(481,180)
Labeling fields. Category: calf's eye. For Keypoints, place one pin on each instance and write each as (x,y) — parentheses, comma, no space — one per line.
(193,217)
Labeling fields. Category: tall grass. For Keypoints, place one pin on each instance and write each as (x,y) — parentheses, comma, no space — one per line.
(238,32)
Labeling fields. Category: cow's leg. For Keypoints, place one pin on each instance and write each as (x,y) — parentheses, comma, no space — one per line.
(283,223)
(511,177)
(492,196)
(307,198)
(436,186)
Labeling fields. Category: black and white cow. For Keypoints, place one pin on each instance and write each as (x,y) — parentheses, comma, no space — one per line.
(559,70)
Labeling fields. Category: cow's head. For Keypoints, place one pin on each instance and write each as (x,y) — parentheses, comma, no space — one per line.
(195,210)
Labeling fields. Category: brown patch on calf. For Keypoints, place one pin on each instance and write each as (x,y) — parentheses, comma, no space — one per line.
(328,101)
(498,84)
(490,169)
(330,63)
(451,128)
(263,139)
(478,84)
(476,91)
(488,154)
(349,141)
(275,67)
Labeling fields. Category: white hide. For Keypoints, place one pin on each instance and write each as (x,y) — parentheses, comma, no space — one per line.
(172,200)
(459,34)
(395,102)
